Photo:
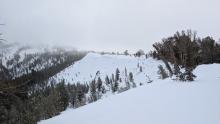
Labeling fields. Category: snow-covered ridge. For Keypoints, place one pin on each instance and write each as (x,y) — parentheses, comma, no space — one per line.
(160,102)
(85,70)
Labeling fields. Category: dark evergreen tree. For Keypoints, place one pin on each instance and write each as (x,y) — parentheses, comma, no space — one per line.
(115,86)
(117,75)
(113,78)
(99,84)
(80,95)
(126,72)
(63,95)
(93,91)
(131,78)
(107,81)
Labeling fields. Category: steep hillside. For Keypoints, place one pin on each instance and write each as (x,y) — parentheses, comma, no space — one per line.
(95,65)
(103,71)
(20,59)
(24,81)
(161,102)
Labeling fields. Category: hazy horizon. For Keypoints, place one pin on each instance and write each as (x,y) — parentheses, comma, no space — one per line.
(106,25)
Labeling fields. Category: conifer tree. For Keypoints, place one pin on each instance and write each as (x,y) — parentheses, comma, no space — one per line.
(117,74)
(93,93)
(63,95)
(107,81)
(99,84)
(126,72)
(131,78)
(116,86)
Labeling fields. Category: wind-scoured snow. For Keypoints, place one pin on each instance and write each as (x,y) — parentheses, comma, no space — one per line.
(160,102)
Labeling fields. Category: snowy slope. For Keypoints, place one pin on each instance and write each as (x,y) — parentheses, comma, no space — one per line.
(20,59)
(161,102)
(9,50)
(86,69)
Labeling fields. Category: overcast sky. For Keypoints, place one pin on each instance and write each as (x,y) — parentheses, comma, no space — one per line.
(110,25)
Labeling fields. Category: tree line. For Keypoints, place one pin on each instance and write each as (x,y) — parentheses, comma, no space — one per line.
(24,99)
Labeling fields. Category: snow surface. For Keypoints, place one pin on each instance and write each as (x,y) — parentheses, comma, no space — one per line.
(86,69)
(95,65)
(160,102)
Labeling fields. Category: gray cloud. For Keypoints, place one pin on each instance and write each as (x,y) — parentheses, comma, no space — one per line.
(106,24)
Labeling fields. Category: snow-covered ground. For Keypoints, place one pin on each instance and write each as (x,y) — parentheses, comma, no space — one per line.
(160,102)
(86,69)
(95,65)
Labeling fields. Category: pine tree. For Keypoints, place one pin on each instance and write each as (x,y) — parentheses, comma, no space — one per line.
(115,86)
(112,85)
(93,93)
(99,84)
(80,95)
(113,78)
(117,74)
(131,78)
(63,95)
(126,72)
(107,81)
